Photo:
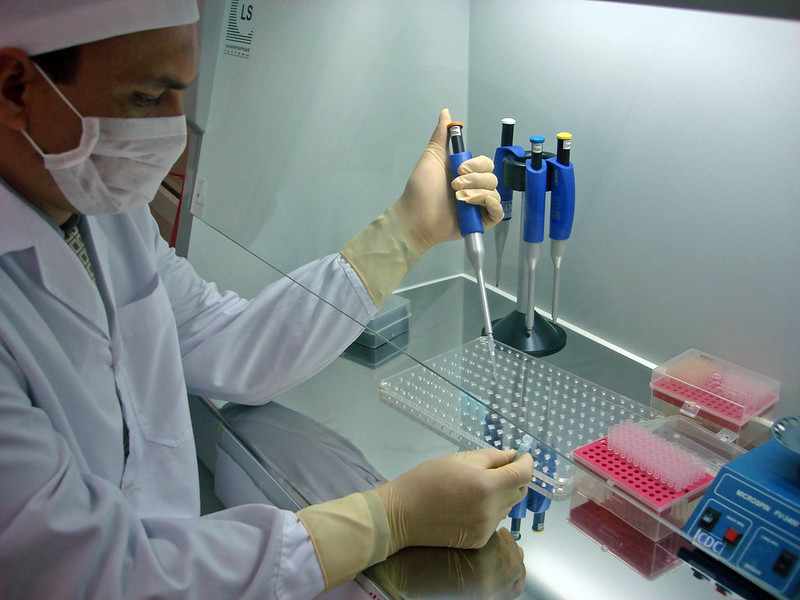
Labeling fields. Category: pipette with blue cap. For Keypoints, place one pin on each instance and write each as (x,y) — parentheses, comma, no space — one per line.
(471,225)
(533,219)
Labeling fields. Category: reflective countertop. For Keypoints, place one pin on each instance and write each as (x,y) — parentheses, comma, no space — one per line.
(559,563)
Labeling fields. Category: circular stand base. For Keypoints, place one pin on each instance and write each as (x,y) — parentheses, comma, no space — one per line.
(546,337)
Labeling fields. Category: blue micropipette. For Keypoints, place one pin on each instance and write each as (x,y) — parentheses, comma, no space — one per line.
(562,209)
(534,501)
(506,194)
(471,225)
(538,502)
(517,512)
(533,219)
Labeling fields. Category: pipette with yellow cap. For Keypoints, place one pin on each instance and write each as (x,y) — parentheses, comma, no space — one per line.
(562,208)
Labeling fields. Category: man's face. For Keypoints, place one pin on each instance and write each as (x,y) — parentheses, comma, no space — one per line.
(138,75)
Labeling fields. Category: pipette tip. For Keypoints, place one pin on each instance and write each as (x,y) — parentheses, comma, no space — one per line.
(525,445)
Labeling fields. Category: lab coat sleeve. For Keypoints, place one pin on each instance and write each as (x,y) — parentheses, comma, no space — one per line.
(249,351)
(67,534)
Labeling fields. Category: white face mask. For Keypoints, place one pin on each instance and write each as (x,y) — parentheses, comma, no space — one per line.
(118,164)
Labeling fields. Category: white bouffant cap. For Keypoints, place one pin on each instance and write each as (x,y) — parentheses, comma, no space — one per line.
(38,26)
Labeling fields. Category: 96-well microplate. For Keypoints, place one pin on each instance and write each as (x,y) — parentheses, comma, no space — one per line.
(477,400)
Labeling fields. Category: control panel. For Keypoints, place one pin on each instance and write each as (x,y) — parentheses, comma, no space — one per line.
(750,518)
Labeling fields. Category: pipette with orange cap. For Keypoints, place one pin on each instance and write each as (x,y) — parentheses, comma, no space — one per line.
(470,223)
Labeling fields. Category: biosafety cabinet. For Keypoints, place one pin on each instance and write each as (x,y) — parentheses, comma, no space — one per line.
(307,119)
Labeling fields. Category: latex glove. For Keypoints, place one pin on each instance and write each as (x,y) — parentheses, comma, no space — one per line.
(349,534)
(456,501)
(453,501)
(423,216)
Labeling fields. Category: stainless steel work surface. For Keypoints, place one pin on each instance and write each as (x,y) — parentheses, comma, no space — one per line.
(560,562)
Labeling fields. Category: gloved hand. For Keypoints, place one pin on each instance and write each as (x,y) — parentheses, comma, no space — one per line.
(423,216)
(455,500)
(426,211)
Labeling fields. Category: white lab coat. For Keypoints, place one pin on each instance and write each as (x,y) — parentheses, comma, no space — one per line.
(76,521)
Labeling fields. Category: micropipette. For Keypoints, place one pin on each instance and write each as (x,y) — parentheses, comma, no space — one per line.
(517,512)
(506,197)
(562,209)
(533,220)
(538,502)
(471,225)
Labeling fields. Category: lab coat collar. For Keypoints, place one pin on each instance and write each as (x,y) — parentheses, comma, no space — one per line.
(61,273)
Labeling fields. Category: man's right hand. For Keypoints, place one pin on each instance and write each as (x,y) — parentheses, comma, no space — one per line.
(456,501)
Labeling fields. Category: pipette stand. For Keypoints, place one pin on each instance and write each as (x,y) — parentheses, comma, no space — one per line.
(546,337)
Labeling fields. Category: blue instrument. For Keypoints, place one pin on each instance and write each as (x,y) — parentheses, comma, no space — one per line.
(470,223)
(749,519)
(562,208)
(469,215)
(535,196)
(562,199)
(536,501)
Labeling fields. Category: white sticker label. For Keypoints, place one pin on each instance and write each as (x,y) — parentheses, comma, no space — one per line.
(239,29)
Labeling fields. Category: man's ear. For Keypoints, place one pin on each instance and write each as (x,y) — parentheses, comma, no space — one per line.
(16,72)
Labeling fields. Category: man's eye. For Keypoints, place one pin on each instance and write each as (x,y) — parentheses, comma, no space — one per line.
(146,100)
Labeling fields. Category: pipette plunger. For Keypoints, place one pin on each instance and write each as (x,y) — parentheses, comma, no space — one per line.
(507,134)
(537,150)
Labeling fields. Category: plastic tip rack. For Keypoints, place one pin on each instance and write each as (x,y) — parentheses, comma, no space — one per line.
(654,461)
(489,395)
(720,391)
(662,460)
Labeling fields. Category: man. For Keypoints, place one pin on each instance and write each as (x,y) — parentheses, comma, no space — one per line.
(103,329)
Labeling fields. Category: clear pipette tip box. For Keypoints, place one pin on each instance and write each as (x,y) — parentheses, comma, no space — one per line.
(704,386)
(647,557)
(659,471)
(479,396)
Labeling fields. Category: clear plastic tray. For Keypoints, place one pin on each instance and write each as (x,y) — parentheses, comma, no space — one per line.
(714,389)
(590,514)
(477,400)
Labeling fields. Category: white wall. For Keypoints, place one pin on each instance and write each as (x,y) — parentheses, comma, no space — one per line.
(686,143)
(315,134)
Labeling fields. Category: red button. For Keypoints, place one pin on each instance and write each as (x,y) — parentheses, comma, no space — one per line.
(732,536)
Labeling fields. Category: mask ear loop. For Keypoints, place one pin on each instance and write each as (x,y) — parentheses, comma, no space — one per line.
(60,95)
